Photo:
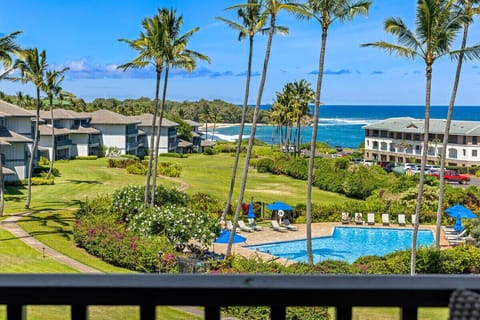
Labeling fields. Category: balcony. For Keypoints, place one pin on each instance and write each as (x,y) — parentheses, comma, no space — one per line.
(342,292)
(64,142)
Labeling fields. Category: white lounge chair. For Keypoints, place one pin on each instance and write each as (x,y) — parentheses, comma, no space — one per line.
(414,217)
(358,218)
(345,218)
(401,220)
(277,227)
(289,225)
(370,219)
(244,227)
(385,219)
(229,226)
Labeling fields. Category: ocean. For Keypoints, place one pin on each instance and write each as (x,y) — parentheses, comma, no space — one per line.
(343,125)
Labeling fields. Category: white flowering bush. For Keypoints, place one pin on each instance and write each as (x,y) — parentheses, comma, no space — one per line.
(178,224)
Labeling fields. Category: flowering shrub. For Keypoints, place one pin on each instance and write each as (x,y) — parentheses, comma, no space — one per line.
(169,169)
(178,224)
(136,168)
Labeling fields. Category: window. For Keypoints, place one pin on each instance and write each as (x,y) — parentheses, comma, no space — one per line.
(474,140)
(464,140)
(474,153)
(464,152)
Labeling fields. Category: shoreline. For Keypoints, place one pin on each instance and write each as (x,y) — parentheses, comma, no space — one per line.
(226,125)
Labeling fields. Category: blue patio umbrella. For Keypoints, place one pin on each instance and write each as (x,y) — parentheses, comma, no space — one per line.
(225,236)
(278,205)
(458,212)
(251,214)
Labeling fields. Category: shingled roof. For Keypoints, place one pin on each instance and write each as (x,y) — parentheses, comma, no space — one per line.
(8,109)
(110,117)
(145,120)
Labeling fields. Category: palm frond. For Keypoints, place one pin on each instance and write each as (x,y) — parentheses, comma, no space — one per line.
(393,48)
(470,53)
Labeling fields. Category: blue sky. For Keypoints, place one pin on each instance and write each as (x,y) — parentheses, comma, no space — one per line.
(83,35)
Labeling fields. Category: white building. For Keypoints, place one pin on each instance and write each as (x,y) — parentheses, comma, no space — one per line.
(401,140)
(117,130)
(168,134)
(16,129)
(73,135)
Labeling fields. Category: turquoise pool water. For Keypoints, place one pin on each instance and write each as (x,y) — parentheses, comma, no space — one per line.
(348,244)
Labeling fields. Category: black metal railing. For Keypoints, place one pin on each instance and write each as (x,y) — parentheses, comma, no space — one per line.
(214,291)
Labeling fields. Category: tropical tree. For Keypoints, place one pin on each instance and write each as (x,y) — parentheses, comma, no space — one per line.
(325,12)
(252,22)
(303,95)
(271,8)
(52,88)
(7,48)
(437,24)
(469,9)
(32,69)
(150,46)
(176,55)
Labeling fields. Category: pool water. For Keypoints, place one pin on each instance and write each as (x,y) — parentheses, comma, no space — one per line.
(348,244)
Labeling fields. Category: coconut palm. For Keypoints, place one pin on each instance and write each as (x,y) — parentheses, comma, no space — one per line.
(150,46)
(271,8)
(52,88)
(468,7)
(303,96)
(253,21)
(325,12)
(32,69)
(176,55)
(437,24)
(7,48)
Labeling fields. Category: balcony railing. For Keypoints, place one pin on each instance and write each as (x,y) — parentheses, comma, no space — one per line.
(214,291)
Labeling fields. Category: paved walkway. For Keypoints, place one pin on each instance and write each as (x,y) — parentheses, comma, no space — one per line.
(10,224)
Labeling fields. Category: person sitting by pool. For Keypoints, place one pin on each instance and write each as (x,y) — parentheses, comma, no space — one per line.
(358,218)
(345,218)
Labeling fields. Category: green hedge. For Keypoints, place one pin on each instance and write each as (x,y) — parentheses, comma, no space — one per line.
(86,157)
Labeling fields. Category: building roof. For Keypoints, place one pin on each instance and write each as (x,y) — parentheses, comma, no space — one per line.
(64,114)
(145,120)
(110,117)
(46,130)
(193,123)
(437,126)
(10,110)
(207,143)
(8,136)
(184,143)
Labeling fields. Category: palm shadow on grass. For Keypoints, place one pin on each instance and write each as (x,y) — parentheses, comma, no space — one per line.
(60,222)
(84,181)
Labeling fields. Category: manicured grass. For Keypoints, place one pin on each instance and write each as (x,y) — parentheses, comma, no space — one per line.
(212,174)
(100,313)
(55,229)
(16,256)
(362,313)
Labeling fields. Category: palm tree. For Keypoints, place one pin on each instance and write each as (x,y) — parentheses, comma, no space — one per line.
(253,21)
(52,88)
(272,8)
(437,24)
(304,95)
(7,48)
(176,55)
(325,12)
(470,10)
(150,46)
(32,69)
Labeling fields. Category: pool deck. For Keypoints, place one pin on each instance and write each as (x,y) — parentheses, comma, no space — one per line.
(324,229)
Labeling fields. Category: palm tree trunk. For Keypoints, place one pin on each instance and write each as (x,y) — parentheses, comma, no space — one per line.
(426,132)
(53,141)
(152,137)
(2,199)
(34,151)
(252,135)
(240,133)
(313,145)
(298,137)
(157,142)
(443,155)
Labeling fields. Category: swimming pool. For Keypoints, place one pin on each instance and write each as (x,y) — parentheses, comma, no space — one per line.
(348,244)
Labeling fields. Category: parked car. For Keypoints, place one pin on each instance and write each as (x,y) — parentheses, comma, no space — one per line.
(366,162)
(451,176)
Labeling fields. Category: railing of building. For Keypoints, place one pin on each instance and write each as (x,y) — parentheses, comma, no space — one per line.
(278,292)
